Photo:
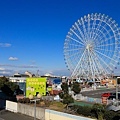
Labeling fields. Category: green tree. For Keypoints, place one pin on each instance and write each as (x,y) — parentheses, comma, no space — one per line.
(76,87)
(99,110)
(3,80)
(61,94)
(7,87)
(64,95)
(12,86)
(64,87)
(67,99)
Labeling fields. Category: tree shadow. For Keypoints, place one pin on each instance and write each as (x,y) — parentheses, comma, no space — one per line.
(117,117)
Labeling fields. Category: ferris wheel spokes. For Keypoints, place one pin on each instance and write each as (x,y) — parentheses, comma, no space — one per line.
(78,63)
(75,40)
(106,56)
(77,36)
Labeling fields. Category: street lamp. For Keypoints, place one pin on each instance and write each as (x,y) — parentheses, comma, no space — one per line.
(35,100)
(35,107)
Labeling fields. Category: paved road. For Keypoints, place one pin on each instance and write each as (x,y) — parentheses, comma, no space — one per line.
(6,115)
(97,93)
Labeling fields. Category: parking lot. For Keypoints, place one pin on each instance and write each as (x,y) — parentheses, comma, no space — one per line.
(98,93)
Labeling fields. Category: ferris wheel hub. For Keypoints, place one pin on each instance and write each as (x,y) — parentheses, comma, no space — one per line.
(89,47)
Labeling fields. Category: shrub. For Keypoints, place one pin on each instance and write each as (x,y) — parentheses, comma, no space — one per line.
(37,102)
(47,103)
(109,115)
(24,100)
(94,111)
(85,110)
(98,110)
(27,100)
(61,95)
(74,108)
(20,100)
(67,99)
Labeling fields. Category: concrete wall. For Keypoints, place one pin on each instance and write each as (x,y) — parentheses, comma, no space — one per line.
(55,115)
(25,109)
(29,110)
(11,106)
(41,113)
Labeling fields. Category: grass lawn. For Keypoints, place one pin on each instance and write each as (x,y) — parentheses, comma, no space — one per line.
(82,103)
(59,106)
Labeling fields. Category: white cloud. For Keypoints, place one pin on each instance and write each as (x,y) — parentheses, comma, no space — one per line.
(28,66)
(1,69)
(13,58)
(4,72)
(5,44)
(18,66)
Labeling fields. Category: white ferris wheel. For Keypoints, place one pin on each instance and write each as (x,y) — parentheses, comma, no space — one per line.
(92,47)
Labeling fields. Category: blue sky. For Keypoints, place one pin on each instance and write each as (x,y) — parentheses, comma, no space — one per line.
(32,32)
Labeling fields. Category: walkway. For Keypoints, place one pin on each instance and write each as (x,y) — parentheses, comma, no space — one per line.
(6,115)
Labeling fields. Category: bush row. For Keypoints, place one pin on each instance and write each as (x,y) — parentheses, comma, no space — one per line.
(41,102)
(87,111)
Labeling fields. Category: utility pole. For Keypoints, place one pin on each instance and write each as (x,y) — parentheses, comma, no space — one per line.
(37,74)
(117,89)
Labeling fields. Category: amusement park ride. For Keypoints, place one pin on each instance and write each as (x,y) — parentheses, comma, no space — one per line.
(92,47)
